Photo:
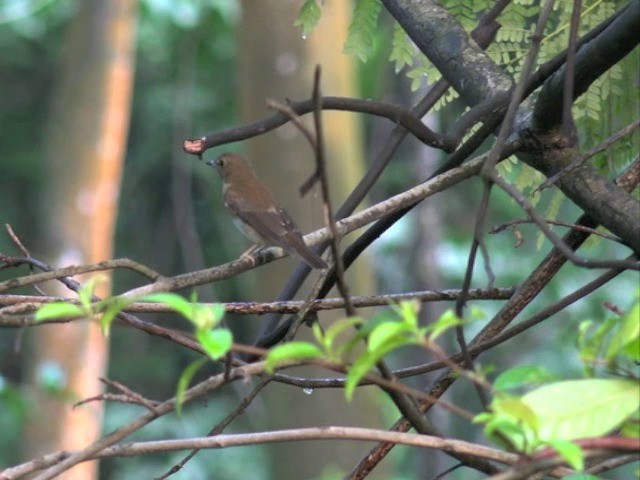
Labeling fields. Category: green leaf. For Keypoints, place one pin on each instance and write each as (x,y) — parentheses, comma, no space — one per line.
(114,307)
(185,380)
(570,451)
(632,350)
(290,352)
(446,321)
(631,428)
(361,34)
(216,343)
(365,362)
(408,311)
(475,313)
(206,317)
(510,419)
(388,332)
(583,408)
(522,375)
(178,303)
(502,427)
(516,408)
(357,371)
(308,17)
(628,332)
(365,330)
(58,310)
(591,344)
(337,327)
(86,292)
(318,333)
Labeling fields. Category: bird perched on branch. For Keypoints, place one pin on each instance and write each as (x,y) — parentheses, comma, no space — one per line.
(256,212)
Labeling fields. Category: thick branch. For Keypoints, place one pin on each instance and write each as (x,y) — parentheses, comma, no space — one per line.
(592,60)
(599,197)
(449,47)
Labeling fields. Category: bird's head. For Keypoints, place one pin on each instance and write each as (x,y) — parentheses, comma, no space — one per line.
(231,166)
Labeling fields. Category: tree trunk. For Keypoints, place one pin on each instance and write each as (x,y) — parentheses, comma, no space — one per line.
(85,149)
(276,63)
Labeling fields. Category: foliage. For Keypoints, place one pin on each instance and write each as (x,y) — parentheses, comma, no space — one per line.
(308,17)
(531,409)
(215,342)
(383,334)
(552,415)
(598,110)
(555,414)
(363,28)
(615,344)
(107,310)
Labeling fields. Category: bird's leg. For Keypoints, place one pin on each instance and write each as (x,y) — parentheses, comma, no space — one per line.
(248,254)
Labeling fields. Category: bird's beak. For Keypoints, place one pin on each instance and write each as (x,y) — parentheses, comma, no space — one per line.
(211,163)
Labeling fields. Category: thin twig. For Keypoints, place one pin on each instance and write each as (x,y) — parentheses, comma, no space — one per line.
(219,428)
(321,165)
(582,228)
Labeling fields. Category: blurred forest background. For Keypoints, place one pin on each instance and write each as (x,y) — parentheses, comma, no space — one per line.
(194,67)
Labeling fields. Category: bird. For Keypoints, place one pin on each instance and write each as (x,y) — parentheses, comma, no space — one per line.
(256,212)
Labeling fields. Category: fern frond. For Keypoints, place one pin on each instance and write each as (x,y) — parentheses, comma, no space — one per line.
(308,17)
(361,34)
(402,49)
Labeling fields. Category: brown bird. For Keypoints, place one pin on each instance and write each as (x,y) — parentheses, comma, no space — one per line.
(256,212)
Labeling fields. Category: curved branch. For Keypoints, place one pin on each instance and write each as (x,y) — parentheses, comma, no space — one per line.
(395,113)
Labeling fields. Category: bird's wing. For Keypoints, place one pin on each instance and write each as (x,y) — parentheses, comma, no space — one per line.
(272,223)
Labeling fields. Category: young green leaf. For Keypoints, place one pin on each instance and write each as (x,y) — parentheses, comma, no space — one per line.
(590,343)
(114,307)
(58,310)
(522,375)
(216,343)
(206,317)
(446,321)
(290,352)
(178,303)
(627,332)
(570,451)
(408,311)
(185,380)
(85,294)
(510,419)
(365,362)
(336,328)
(516,408)
(632,350)
(386,332)
(499,428)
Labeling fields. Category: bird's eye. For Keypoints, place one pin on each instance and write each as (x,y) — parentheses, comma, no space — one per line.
(220,162)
